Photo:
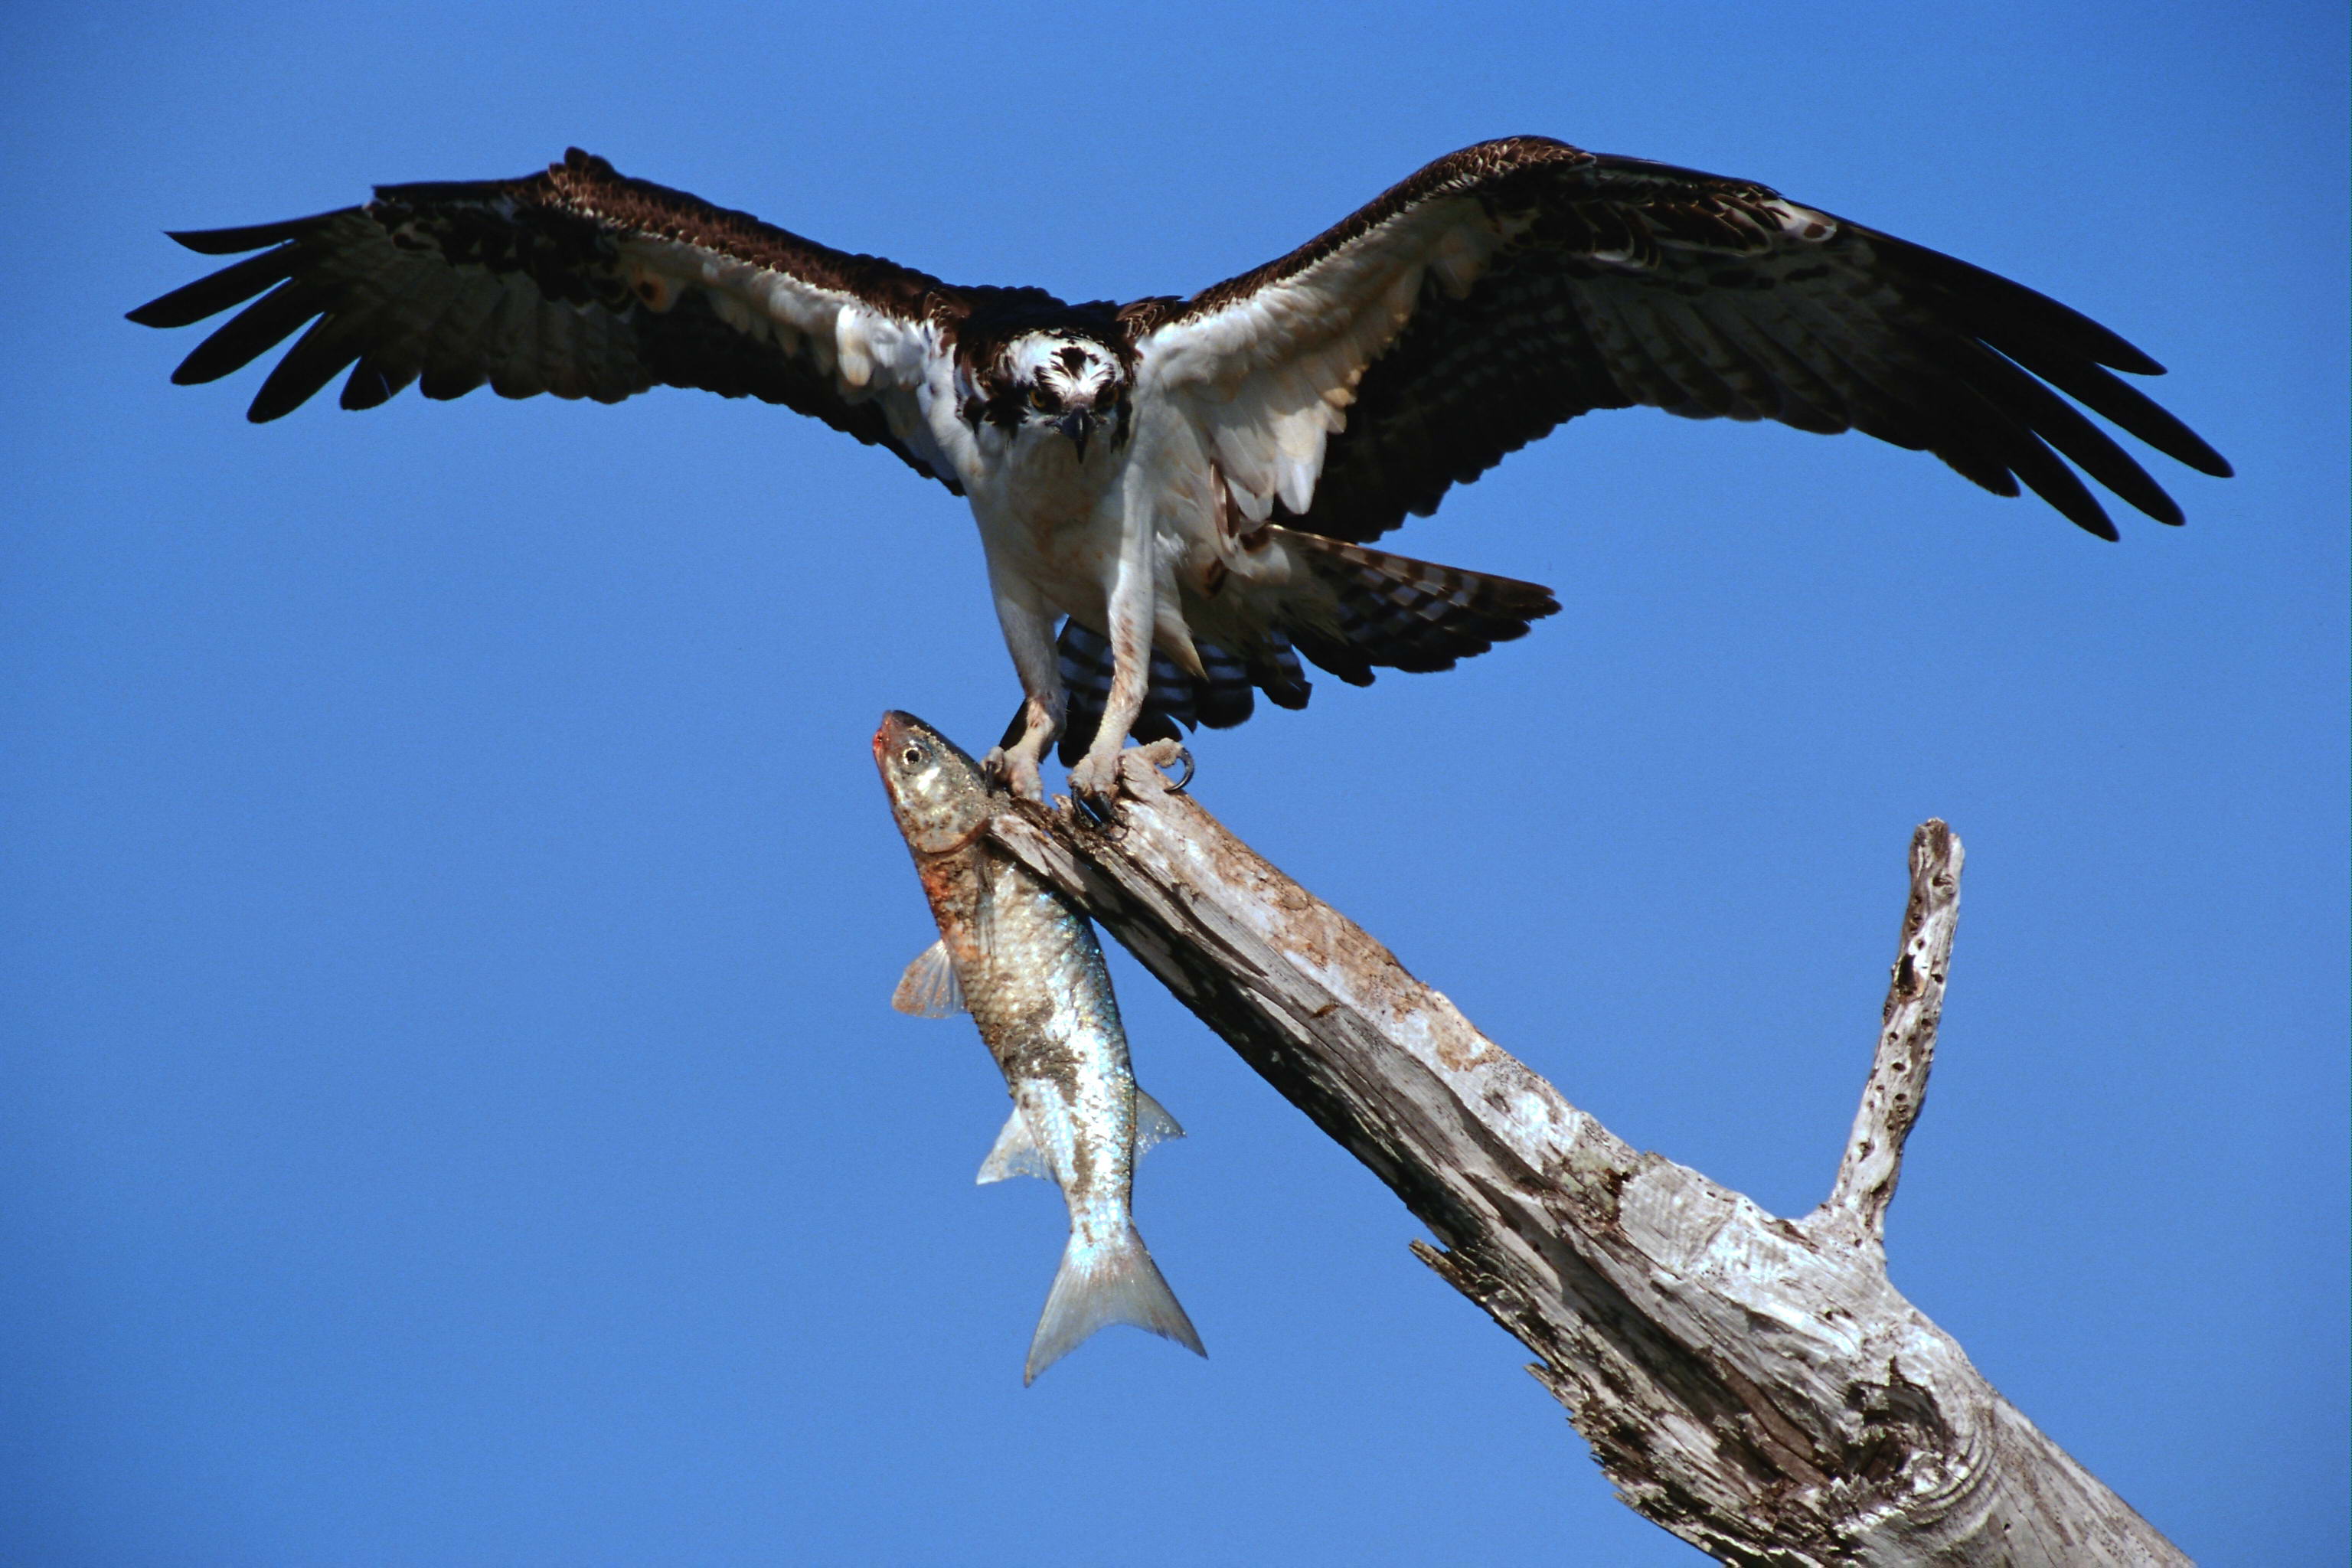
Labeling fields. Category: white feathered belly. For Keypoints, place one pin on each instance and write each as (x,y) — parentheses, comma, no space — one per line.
(1053,525)
(1059,529)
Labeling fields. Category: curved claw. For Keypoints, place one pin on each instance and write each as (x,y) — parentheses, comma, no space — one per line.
(1160,756)
(1183,755)
(1102,777)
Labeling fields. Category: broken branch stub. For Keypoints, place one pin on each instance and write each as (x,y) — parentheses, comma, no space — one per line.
(1897,1087)
(1752,1383)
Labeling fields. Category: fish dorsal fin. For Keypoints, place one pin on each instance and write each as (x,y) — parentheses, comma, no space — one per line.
(1152,1122)
(1015,1153)
(929,989)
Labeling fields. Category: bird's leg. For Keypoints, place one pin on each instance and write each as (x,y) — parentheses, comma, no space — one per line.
(1029,637)
(1131,609)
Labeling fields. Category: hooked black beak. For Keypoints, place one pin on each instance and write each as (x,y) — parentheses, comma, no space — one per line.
(1077,427)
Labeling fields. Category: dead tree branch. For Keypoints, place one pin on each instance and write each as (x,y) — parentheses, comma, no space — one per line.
(1752,1383)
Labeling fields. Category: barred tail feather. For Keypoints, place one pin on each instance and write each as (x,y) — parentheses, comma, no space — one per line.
(1407,615)
(1359,610)
(1101,1283)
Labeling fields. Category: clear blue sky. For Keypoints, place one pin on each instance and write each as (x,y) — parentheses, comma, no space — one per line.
(450,1114)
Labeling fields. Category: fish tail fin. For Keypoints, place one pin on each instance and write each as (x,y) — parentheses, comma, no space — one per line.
(1100,1283)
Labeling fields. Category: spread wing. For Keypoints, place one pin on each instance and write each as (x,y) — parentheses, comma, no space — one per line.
(1519,283)
(579,282)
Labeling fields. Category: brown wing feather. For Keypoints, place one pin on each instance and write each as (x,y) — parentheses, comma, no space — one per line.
(1627,283)
(523,284)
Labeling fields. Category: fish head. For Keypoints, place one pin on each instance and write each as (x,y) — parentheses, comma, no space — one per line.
(938,793)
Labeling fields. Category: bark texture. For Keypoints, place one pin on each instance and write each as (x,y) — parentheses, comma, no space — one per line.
(1752,1383)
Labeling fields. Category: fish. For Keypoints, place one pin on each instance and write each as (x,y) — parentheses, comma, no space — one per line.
(1023,962)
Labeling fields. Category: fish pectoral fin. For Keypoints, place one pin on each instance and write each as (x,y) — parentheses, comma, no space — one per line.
(929,988)
(1100,1283)
(1152,1122)
(1015,1153)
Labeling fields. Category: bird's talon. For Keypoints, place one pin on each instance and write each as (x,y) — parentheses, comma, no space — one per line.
(1013,770)
(1095,777)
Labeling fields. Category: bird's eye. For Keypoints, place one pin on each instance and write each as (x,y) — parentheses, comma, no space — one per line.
(1039,399)
(911,755)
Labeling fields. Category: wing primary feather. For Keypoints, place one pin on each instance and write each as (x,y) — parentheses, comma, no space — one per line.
(2096,388)
(2046,475)
(2022,449)
(316,357)
(229,241)
(2063,425)
(372,384)
(209,296)
(1997,307)
(253,332)
(2064,348)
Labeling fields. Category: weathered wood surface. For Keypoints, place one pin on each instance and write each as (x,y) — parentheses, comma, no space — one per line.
(1752,1383)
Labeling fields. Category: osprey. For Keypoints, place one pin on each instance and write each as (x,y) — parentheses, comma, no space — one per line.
(1187,486)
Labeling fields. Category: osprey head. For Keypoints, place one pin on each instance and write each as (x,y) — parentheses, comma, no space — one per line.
(1058,381)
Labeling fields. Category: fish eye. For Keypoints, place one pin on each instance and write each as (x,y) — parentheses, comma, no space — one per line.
(911,755)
